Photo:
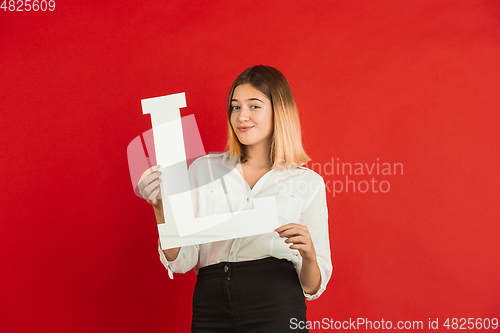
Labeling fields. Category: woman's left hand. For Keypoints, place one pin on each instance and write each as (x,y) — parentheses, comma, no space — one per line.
(298,234)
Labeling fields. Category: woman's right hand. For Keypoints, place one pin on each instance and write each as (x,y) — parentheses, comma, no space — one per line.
(149,186)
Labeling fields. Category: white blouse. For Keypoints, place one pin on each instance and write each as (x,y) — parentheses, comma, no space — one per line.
(300,197)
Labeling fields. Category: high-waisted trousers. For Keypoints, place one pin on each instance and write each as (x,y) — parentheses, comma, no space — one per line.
(253,296)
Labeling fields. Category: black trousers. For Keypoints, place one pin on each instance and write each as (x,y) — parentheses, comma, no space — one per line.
(250,296)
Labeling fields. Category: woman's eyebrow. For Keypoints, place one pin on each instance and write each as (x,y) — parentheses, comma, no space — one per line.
(255,99)
(250,99)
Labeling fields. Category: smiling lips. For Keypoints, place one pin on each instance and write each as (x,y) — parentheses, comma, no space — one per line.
(244,129)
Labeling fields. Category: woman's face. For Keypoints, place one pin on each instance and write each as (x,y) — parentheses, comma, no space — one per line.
(251,115)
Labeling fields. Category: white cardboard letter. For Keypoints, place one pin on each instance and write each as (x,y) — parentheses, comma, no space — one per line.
(181,228)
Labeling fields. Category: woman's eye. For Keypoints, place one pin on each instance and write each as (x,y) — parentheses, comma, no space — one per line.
(255,107)
(235,108)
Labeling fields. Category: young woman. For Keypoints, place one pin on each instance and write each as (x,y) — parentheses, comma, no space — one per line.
(257,283)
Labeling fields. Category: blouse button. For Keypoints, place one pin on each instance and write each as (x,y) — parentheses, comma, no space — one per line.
(248,199)
(225,268)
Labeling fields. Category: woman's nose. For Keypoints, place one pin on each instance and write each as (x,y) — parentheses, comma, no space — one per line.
(244,114)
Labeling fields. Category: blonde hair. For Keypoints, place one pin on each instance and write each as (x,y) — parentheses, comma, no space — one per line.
(286,143)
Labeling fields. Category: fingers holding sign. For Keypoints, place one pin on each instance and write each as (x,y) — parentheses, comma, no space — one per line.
(299,236)
(149,185)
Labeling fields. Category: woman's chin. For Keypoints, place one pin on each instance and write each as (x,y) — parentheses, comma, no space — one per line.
(247,142)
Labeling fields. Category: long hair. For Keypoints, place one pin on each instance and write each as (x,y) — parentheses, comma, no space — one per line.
(286,143)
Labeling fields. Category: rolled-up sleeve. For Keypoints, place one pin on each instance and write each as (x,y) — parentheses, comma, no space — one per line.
(315,217)
(185,261)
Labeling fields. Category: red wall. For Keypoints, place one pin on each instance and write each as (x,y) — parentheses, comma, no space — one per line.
(415,83)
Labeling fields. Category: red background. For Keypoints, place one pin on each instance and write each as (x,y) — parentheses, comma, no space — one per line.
(406,82)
